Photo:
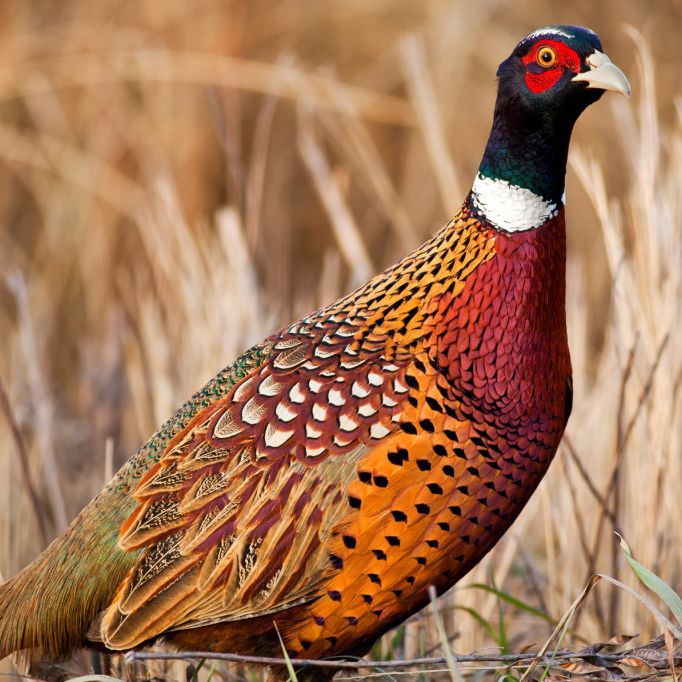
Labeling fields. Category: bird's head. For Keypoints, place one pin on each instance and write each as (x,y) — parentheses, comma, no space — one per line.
(549,79)
(559,69)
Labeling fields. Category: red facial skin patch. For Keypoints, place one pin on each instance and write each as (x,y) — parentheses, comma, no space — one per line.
(540,78)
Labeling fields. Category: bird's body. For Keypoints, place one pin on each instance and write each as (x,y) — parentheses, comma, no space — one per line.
(355,448)
(332,474)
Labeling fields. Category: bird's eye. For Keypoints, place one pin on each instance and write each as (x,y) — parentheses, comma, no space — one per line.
(545,56)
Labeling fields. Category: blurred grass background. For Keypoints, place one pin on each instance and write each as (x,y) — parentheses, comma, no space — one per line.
(180,179)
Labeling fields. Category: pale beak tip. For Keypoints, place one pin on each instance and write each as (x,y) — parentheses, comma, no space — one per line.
(605,75)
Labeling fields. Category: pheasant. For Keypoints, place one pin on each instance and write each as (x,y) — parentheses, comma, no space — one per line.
(320,485)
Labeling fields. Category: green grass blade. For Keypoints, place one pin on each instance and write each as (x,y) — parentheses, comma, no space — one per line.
(485,624)
(522,606)
(657,585)
(501,625)
(195,675)
(290,667)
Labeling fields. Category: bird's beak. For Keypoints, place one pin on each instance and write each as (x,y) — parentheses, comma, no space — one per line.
(604,74)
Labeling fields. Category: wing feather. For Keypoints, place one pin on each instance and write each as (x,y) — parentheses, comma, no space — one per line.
(240,513)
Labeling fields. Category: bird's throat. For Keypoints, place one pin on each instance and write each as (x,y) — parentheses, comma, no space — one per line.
(520,182)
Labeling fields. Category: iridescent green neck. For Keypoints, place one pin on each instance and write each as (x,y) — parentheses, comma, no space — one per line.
(528,150)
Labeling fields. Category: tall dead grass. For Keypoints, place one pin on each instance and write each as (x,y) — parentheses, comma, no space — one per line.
(177,184)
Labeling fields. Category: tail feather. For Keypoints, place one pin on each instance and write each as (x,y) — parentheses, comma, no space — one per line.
(49,606)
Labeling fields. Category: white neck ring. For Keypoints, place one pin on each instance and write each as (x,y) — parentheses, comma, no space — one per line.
(509,207)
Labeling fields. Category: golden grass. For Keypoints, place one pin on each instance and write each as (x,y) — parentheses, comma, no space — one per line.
(178,181)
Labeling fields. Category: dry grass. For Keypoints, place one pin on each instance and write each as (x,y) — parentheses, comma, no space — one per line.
(179,180)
